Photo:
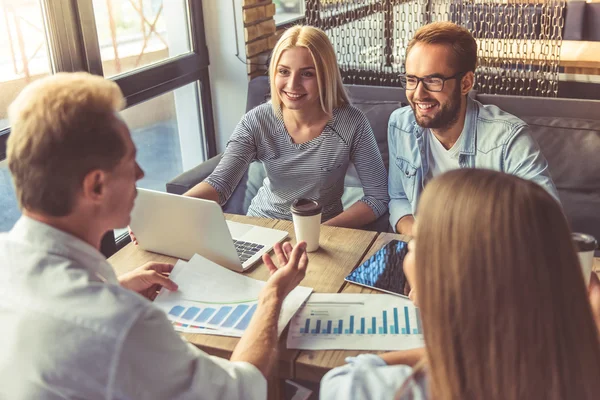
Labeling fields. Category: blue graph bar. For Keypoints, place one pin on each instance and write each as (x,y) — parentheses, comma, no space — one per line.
(362,326)
(324,331)
(347,331)
(220,315)
(351,324)
(307,326)
(243,324)
(404,331)
(176,311)
(406,320)
(335,330)
(396,320)
(373,320)
(385,322)
(235,315)
(416,331)
(191,313)
(205,315)
(380,330)
(340,326)
(370,331)
(301,330)
(318,328)
(392,329)
(418,320)
(328,326)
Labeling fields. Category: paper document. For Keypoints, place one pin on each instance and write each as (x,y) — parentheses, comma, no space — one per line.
(216,301)
(356,322)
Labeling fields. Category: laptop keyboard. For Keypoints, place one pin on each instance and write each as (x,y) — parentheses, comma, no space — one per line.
(246,250)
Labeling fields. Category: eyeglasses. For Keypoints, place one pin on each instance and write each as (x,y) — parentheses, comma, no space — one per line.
(431,83)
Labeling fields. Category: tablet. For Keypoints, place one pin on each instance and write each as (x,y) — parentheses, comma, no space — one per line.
(383,271)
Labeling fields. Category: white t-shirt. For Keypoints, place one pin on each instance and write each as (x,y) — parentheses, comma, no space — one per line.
(439,159)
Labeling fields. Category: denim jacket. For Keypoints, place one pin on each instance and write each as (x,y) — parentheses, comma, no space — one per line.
(493,139)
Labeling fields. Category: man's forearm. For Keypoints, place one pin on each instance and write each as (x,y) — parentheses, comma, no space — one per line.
(259,343)
(405,224)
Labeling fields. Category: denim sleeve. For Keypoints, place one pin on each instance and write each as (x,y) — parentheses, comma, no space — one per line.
(239,153)
(370,168)
(523,158)
(367,377)
(399,204)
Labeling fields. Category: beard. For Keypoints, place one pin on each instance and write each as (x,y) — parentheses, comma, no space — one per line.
(446,116)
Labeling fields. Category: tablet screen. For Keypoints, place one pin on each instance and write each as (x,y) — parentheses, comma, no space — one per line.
(383,270)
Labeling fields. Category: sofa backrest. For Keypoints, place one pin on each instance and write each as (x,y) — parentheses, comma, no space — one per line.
(567,130)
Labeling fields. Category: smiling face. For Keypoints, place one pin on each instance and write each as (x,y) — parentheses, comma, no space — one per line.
(296,79)
(435,110)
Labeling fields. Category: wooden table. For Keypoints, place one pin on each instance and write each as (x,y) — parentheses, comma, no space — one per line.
(341,250)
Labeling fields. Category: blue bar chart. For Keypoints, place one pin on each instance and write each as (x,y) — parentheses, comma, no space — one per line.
(356,321)
(198,315)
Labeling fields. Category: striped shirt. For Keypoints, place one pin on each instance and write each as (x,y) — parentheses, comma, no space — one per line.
(313,170)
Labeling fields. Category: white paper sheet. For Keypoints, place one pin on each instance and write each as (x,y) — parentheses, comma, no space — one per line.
(367,322)
(211,296)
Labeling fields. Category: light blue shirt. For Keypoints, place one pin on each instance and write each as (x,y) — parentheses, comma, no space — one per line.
(369,377)
(69,330)
(490,139)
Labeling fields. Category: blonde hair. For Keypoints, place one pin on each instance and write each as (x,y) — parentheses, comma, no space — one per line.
(329,81)
(504,306)
(62,127)
(459,39)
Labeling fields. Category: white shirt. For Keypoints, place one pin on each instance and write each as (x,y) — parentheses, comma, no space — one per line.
(69,330)
(367,377)
(441,160)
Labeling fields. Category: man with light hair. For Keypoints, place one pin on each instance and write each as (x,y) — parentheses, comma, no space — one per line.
(70,327)
(444,129)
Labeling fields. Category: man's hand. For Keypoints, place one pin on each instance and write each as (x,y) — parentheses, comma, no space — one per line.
(293,268)
(148,279)
(132,236)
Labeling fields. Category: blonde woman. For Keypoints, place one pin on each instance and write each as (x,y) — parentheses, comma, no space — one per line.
(502,298)
(305,137)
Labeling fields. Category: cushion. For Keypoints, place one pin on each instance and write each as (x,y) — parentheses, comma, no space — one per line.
(571,147)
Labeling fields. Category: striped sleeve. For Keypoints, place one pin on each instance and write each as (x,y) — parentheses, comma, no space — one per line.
(370,168)
(239,153)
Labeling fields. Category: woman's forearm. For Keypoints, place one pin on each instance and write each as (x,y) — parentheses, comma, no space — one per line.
(358,215)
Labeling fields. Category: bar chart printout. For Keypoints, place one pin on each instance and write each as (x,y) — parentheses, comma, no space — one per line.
(356,322)
(214,300)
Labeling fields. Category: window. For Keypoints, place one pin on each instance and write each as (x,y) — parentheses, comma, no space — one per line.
(135,33)
(288,10)
(24,55)
(155,50)
(9,210)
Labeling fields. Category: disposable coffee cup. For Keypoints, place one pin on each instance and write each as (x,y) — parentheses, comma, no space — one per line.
(306,215)
(586,245)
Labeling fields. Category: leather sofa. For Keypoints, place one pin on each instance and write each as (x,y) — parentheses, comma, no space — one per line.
(567,130)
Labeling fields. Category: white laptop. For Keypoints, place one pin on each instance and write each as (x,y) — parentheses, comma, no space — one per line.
(181,226)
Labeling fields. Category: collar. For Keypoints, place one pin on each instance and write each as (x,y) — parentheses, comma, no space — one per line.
(54,241)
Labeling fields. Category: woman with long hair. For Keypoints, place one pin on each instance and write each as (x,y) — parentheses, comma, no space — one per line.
(306,136)
(502,298)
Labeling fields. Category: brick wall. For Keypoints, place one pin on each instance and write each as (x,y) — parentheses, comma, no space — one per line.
(260,34)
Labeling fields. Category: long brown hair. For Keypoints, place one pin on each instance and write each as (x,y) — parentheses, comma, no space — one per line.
(504,305)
